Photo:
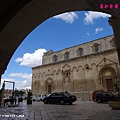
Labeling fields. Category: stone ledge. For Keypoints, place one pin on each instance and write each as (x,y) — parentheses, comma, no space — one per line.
(115,105)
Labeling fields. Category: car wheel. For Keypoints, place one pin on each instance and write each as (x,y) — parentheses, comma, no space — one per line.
(45,101)
(94,100)
(33,100)
(99,101)
(62,102)
(38,101)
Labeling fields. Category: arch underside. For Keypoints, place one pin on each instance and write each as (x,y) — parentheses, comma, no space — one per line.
(18,19)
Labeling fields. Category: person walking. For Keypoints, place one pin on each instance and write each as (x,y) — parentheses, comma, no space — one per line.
(15,100)
(20,99)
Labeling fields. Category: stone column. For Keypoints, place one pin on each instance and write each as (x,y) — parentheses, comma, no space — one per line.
(115,23)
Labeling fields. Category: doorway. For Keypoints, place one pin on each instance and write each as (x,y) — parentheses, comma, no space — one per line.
(109,84)
(49,89)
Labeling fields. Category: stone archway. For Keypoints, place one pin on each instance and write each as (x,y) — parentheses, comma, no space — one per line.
(108,78)
(19,18)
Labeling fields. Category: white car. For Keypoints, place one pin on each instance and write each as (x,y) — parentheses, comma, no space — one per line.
(38,98)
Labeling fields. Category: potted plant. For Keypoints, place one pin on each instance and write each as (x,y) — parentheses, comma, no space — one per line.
(115,105)
(29,97)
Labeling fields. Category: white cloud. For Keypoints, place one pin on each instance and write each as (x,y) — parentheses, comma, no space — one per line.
(21,75)
(31,59)
(19,84)
(68,17)
(90,16)
(98,30)
(88,34)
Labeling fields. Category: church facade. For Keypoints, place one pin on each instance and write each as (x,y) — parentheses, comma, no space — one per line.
(80,69)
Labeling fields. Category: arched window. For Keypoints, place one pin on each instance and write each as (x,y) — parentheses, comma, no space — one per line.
(113,43)
(96,47)
(55,58)
(66,56)
(80,52)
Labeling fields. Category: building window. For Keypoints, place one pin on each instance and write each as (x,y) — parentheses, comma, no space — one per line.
(66,55)
(96,47)
(55,58)
(80,52)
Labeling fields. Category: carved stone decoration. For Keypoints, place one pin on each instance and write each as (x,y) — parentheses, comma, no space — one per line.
(66,73)
(66,76)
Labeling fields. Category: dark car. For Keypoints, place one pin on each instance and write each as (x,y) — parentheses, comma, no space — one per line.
(60,97)
(105,97)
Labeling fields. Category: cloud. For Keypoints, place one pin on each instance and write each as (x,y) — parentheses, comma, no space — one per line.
(88,34)
(21,75)
(90,16)
(98,30)
(68,17)
(31,59)
(24,84)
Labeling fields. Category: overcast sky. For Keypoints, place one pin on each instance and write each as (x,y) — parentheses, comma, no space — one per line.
(56,33)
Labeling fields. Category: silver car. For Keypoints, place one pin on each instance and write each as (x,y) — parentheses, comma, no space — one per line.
(38,98)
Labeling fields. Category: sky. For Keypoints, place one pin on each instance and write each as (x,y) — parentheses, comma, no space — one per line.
(56,33)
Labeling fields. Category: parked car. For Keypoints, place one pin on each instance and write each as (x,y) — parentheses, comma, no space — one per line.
(60,97)
(105,97)
(38,98)
(94,94)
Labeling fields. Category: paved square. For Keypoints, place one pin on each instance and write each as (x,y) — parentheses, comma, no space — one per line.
(80,110)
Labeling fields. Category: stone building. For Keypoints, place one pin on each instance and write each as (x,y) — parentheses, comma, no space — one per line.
(80,69)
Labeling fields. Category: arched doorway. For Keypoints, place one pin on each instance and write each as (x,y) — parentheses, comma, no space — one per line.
(49,85)
(108,78)
(49,89)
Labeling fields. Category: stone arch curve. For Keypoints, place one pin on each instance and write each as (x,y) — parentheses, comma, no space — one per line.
(19,18)
(59,71)
(107,68)
(93,64)
(49,81)
(74,68)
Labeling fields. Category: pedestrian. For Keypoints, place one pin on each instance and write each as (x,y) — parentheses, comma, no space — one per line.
(20,99)
(15,100)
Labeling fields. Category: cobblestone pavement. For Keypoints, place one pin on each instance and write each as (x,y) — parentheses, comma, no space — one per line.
(80,110)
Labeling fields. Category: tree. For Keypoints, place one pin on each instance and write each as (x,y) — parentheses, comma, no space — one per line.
(117,90)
